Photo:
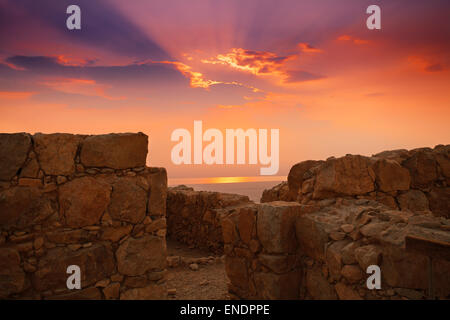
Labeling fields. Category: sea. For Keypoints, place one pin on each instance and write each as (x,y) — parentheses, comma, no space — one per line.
(253,189)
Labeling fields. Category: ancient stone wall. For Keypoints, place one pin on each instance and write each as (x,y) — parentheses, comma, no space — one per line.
(415,181)
(194,217)
(81,200)
(286,250)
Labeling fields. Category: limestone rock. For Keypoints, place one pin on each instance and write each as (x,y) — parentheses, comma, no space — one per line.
(21,207)
(56,152)
(95,262)
(128,201)
(390,176)
(117,151)
(138,256)
(368,255)
(83,201)
(349,175)
(318,286)
(413,200)
(151,292)
(13,153)
(12,277)
(275,226)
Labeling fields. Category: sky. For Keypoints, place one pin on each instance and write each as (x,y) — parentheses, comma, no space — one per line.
(311,69)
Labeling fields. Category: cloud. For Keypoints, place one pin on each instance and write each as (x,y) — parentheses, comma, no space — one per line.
(255,62)
(307,48)
(353,39)
(85,87)
(15,95)
(294,76)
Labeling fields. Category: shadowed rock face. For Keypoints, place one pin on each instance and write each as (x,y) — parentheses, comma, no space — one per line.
(14,149)
(105,215)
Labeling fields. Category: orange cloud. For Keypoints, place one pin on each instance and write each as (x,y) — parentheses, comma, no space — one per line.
(352,39)
(305,47)
(425,64)
(255,62)
(11,95)
(85,87)
(196,78)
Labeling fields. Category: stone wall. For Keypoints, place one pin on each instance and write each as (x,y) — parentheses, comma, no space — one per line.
(81,200)
(287,250)
(416,180)
(346,214)
(194,217)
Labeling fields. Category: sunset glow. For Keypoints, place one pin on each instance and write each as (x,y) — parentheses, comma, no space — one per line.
(308,68)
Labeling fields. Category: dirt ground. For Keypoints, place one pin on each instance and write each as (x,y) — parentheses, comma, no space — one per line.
(209,282)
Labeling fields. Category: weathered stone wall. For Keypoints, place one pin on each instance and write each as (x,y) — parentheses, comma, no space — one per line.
(193,217)
(81,200)
(416,180)
(286,250)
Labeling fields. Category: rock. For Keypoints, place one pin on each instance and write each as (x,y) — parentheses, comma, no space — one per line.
(275,226)
(349,175)
(157,181)
(193,266)
(347,228)
(390,176)
(29,182)
(438,198)
(132,260)
(112,291)
(56,152)
(13,153)
(30,170)
(61,179)
(398,155)
(118,151)
(246,224)
(352,273)
(151,292)
(410,294)
(318,286)
(84,294)
(136,282)
(346,293)
(413,200)
(173,261)
(83,201)
(336,235)
(12,278)
(172,292)
(114,234)
(278,264)
(102,283)
(278,286)
(236,269)
(423,169)
(348,253)
(368,255)
(311,237)
(23,207)
(373,229)
(296,177)
(128,201)
(334,258)
(96,263)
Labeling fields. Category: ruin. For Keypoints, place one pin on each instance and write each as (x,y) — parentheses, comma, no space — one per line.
(91,201)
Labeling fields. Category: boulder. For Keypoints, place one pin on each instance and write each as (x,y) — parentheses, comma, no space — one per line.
(138,256)
(318,286)
(278,286)
(128,201)
(22,207)
(413,200)
(297,175)
(423,168)
(13,153)
(95,262)
(83,201)
(115,150)
(151,292)
(56,152)
(390,176)
(12,277)
(276,227)
(350,175)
